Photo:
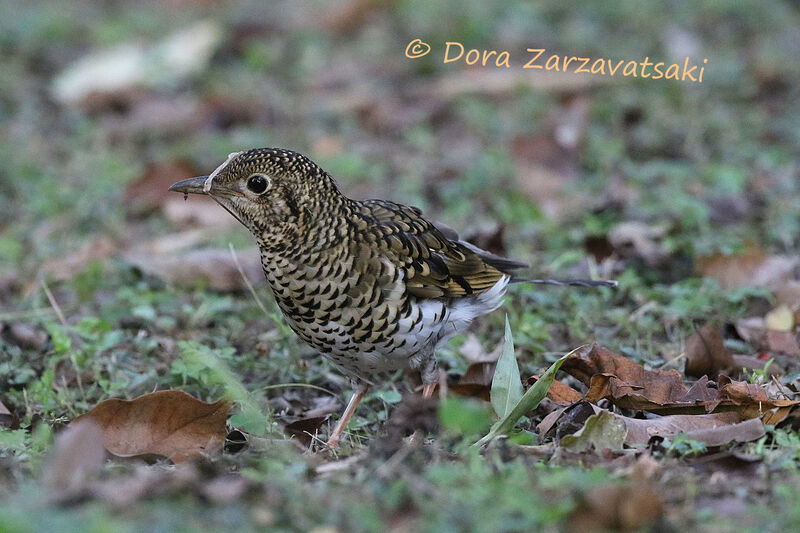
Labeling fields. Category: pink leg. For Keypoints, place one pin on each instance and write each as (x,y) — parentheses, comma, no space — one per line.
(427,390)
(336,434)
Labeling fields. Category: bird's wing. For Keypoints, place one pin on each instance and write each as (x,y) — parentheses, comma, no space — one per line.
(435,266)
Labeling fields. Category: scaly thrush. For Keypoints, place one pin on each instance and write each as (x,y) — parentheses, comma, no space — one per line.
(371,284)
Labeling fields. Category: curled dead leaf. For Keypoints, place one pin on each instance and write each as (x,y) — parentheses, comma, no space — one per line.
(169,423)
(629,385)
(706,353)
(559,393)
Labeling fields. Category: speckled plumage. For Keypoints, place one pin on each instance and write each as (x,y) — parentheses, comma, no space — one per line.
(372,285)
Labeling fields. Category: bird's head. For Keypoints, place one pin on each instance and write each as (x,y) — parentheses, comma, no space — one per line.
(274,192)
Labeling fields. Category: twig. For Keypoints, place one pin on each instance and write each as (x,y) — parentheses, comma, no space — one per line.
(786,392)
(54,304)
(63,320)
(673,360)
(246,280)
(306,385)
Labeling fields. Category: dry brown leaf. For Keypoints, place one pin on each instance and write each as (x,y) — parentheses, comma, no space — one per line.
(713,429)
(783,342)
(209,267)
(305,428)
(753,362)
(633,239)
(148,193)
(78,453)
(169,423)
(706,353)
(751,268)
(716,429)
(559,393)
(627,384)
(476,381)
(789,294)
(754,330)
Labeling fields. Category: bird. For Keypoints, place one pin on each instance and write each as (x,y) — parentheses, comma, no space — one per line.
(372,285)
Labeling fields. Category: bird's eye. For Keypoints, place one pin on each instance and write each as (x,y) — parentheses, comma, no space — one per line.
(258,183)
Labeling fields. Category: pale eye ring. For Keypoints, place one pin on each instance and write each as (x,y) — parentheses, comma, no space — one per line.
(258,183)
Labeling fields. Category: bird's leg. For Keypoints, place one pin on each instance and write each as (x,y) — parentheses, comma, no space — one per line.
(336,434)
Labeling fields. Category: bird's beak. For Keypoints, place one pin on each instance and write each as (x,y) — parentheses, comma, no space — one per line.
(191,185)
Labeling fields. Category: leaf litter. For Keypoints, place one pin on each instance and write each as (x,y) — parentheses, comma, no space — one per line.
(172,424)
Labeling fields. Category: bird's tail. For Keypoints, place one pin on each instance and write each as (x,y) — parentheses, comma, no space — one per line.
(570,282)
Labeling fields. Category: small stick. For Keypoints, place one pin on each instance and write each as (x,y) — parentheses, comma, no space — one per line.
(246,280)
(54,304)
(63,321)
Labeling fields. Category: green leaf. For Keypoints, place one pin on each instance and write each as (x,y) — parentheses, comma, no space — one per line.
(530,400)
(506,383)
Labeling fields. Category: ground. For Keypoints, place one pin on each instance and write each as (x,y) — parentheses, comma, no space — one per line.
(110,287)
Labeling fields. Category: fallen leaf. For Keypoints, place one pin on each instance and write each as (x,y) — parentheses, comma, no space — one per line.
(633,239)
(77,454)
(130,66)
(706,353)
(147,193)
(752,362)
(476,381)
(559,393)
(23,335)
(713,429)
(789,294)
(213,268)
(305,428)
(716,429)
(754,330)
(629,385)
(602,431)
(780,319)
(751,268)
(168,423)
